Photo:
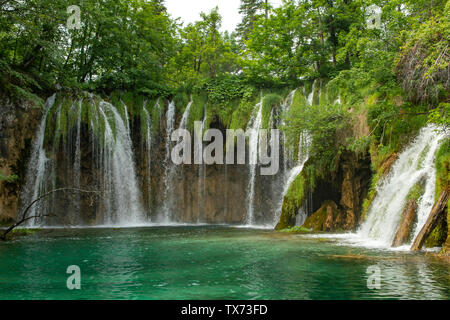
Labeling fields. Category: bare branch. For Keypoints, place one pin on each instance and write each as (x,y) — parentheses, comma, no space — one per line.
(24,217)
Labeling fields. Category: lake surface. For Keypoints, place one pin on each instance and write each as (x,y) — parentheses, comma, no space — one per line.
(210,263)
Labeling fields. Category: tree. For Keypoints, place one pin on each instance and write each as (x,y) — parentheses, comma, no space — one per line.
(251,11)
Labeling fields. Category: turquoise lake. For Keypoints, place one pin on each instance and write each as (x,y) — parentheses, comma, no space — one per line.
(210,262)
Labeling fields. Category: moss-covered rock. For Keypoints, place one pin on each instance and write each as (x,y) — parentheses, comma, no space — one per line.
(293,201)
(442,181)
(439,235)
(324,219)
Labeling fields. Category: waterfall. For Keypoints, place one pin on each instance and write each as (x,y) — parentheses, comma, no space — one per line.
(169,166)
(201,177)
(37,167)
(123,198)
(338,100)
(415,164)
(148,149)
(303,155)
(310,99)
(185,118)
(285,107)
(77,160)
(112,150)
(255,127)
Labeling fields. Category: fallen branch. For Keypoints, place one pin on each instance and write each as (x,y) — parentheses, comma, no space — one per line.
(24,217)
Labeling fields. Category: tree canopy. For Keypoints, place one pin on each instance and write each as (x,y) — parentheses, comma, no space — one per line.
(136,45)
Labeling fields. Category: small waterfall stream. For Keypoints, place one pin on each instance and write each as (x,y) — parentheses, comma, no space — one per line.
(303,155)
(168,165)
(415,164)
(185,118)
(148,151)
(201,176)
(310,98)
(254,126)
(37,167)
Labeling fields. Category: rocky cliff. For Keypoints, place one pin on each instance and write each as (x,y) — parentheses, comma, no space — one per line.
(18,124)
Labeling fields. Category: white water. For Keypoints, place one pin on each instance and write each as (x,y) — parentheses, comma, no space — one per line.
(415,163)
(201,186)
(37,167)
(120,194)
(148,148)
(285,107)
(310,99)
(185,118)
(255,127)
(303,155)
(168,174)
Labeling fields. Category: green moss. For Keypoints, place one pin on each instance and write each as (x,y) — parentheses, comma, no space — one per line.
(10,179)
(157,109)
(296,230)
(241,116)
(317,220)
(270,102)
(133,102)
(294,199)
(439,235)
(23,232)
(443,168)
(181,100)
(416,191)
(422,157)
(143,118)
(197,110)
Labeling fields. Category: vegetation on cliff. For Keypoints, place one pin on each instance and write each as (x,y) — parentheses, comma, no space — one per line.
(361,90)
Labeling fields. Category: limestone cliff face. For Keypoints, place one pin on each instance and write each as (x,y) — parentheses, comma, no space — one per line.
(18,125)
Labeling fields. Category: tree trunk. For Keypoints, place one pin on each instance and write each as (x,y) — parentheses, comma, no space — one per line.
(404,231)
(433,220)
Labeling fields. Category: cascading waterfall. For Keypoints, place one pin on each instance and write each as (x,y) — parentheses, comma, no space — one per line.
(148,149)
(414,165)
(168,176)
(122,194)
(255,127)
(37,168)
(310,99)
(303,155)
(201,177)
(285,107)
(113,154)
(185,118)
